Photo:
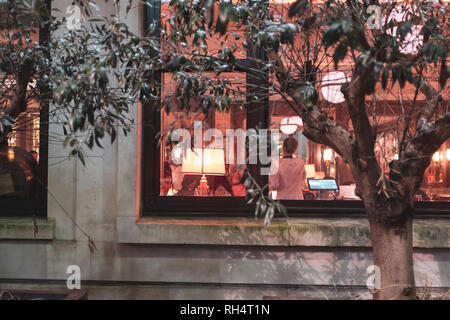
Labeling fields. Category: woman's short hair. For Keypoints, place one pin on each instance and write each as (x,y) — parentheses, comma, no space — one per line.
(290,145)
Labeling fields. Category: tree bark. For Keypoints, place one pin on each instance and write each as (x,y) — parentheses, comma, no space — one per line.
(18,103)
(393,254)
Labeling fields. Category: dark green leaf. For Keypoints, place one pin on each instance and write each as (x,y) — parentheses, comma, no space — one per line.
(78,121)
(332,34)
(81,157)
(309,93)
(339,53)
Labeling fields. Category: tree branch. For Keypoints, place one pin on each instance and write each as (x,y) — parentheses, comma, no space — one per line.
(364,146)
(427,140)
(420,149)
(318,126)
(18,102)
(433,100)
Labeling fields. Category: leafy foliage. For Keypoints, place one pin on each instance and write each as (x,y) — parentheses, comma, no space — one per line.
(88,78)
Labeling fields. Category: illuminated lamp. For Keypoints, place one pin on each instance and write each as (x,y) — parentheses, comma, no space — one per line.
(331,86)
(413,39)
(204,162)
(290,125)
(436,156)
(327,154)
(11,154)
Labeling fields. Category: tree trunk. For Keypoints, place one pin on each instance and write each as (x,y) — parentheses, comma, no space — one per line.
(393,254)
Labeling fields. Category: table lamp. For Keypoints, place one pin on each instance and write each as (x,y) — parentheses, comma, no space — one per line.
(205,162)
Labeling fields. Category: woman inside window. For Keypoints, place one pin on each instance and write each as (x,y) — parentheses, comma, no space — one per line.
(289,178)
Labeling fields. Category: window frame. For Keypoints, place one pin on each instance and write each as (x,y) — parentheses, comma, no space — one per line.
(154,205)
(16,207)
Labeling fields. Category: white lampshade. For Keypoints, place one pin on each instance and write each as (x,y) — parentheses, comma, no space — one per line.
(331,88)
(290,125)
(206,161)
(192,161)
(213,162)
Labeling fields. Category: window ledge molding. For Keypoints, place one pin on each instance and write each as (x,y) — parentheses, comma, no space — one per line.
(325,232)
(23,229)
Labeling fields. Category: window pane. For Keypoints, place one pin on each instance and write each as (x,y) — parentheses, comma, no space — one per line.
(19,160)
(331,177)
(301,160)
(213,162)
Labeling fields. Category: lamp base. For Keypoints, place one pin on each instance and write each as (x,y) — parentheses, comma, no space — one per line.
(203,187)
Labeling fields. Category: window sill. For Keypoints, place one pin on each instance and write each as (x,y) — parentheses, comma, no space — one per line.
(331,232)
(23,229)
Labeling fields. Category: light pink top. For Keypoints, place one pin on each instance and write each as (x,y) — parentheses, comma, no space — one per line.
(288,180)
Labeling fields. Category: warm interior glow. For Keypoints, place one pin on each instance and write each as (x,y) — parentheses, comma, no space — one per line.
(331,88)
(192,161)
(448,154)
(327,154)
(290,125)
(436,156)
(10,154)
(213,162)
(310,171)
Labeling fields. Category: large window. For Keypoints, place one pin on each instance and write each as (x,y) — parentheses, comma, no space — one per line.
(219,146)
(23,160)
(197,170)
